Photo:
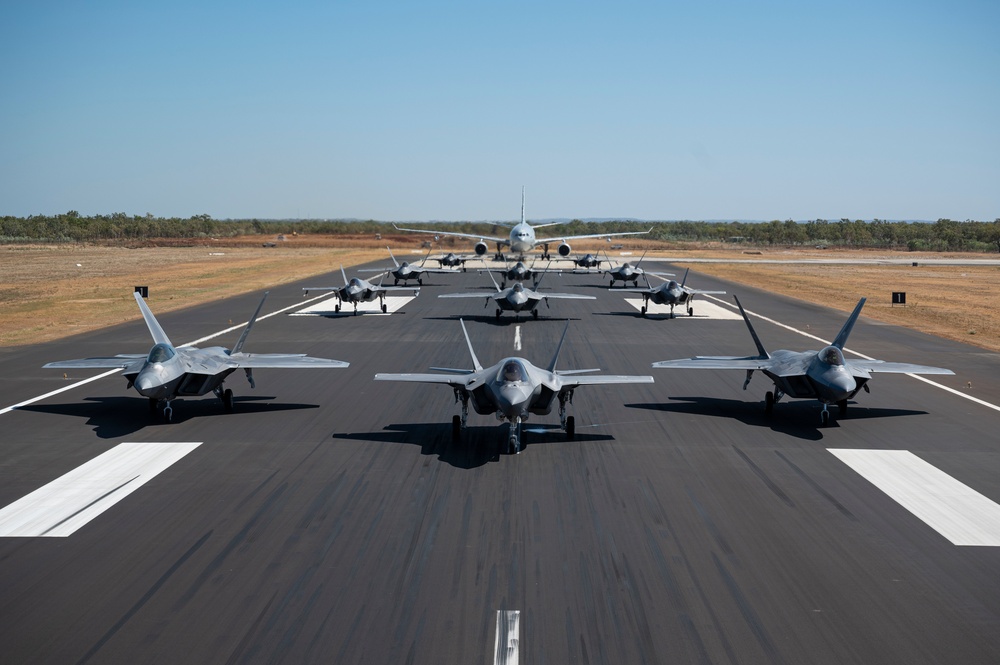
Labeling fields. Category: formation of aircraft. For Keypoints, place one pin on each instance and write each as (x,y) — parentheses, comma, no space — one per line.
(517,298)
(824,375)
(670,293)
(405,271)
(168,372)
(356,290)
(522,238)
(627,272)
(514,389)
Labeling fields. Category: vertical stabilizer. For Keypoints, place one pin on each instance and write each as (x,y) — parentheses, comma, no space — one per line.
(555,358)
(472,352)
(159,337)
(846,330)
(344,273)
(246,331)
(684,281)
(522,204)
(753,333)
(394,261)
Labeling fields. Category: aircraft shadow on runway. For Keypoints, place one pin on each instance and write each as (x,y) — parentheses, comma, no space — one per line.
(799,418)
(478,446)
(505,320)
(113,417)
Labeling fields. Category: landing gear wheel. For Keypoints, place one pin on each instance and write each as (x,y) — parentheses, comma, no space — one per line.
(643,310)
(612,285)
(456,428)
(336,308)
(842,405)
(395,282)
(570,427)
(534,313)
(768,402)
(227,399)
(690,311)
(498,315)
(384,308)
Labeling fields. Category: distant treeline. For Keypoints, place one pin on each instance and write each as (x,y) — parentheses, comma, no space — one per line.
(942,235)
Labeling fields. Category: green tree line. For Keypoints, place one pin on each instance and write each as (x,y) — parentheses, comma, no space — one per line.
(942,235)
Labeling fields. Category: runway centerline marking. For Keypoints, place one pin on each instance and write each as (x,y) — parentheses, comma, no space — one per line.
(505,647)
(861,355)
(517,338)
(69,502)
(956,511)
(39,398)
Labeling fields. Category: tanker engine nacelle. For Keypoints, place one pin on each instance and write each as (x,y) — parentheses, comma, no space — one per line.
(564,249)
(481,248)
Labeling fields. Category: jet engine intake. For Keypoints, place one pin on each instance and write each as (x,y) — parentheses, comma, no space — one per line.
(564,249)
(481,248)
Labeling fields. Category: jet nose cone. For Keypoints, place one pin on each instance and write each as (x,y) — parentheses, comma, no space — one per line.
(149,384)
(514,398)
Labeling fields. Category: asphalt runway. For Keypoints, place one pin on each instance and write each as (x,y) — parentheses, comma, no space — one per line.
(331,518)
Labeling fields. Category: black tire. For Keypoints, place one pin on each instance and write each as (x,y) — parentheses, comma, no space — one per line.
(534,313)
(570,428)
(336,308)
(384,308)
(643,310)
(227,399)
(768,402)
(690,311)
(842,406)
(498,314)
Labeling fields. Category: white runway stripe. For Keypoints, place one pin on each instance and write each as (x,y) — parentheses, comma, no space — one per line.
(506,644)
(956,511)
(69,502)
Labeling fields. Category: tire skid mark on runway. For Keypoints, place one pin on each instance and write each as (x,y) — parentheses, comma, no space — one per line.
(958,393)
(771,485)
(132,611)
(240,653)
(115,371)
(819,489)
(753,621)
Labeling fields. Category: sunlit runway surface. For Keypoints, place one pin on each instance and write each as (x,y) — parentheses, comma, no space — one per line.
(332,519)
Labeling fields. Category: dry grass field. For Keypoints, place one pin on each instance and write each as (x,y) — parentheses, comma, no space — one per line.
(51,291)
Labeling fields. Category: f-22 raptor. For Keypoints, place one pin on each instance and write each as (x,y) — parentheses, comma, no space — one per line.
(169,371)
(824,375)
(513,389)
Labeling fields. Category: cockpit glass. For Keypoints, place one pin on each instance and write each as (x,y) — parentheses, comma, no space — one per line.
(831,355)
(160,353)
(512,372)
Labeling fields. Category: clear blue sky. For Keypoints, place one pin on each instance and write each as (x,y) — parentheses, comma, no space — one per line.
(443,110)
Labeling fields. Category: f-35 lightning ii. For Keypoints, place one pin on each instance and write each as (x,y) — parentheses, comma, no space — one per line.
(670,293)
(357,290)
(513,389)
(405,271)
(517,298)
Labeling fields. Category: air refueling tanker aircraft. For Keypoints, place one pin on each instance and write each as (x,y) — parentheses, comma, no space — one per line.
(169,371)
(822,375)
(522,238)
(513,389)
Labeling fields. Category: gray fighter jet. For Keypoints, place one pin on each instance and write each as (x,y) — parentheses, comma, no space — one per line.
(405,271)
(627,272)
(670,293)
(518,273)
(513,389)
(453,260)
(517,298)
(168,372)
(824,375)
(587,261)
(357,290)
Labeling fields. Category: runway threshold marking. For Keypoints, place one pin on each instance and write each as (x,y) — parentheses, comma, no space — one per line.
(326,307)
(77,384)
(703,310)
(956,511)
(505,647)
(74,499)
(958,393)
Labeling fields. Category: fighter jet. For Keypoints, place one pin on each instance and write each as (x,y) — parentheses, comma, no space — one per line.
(453,260)
(513,389)
(587,261)
(168,372)
(404,271)
(358,290)
(517,298)
(522,238)
(627,272)
(518,273)
(670,293)
(824,375)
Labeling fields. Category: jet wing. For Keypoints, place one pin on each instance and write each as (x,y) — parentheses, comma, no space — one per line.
(700,292)
(541,241)
(110,362)
(567,296)
(602,379)
(716,362)
(488,294)
(282,360)
(399,288)
(893,368)
(502,241)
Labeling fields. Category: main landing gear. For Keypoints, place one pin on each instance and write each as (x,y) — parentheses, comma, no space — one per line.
(568,423)
(226,396)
